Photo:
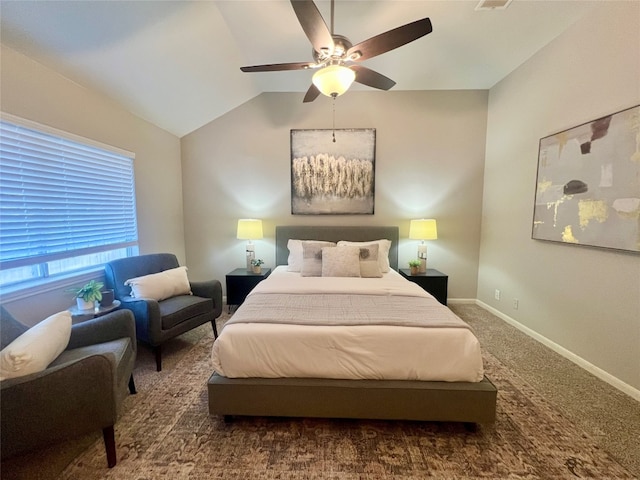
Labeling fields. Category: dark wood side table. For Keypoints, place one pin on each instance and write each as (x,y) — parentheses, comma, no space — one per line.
(240,282)
(78,315)
(433,281)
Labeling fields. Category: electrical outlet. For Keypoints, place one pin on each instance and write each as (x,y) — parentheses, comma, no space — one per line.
(515,303)
(497,294)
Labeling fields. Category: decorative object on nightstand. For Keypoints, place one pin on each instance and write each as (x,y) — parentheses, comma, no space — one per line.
(256,265)
(249,229)
(240,283)
(423,229)
(432,281)
(414,266)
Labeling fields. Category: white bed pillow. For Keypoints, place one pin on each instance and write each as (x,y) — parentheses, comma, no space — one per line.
(368,260)
(383,251)
(341,262)
(294,261)
(312,257)
(159,286)
(36,348)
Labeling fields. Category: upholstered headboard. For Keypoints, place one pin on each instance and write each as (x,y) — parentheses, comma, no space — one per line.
(334,234)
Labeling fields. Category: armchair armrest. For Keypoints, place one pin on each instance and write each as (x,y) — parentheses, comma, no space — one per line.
(40,408)
(147,317)
(210,289)
(114,325)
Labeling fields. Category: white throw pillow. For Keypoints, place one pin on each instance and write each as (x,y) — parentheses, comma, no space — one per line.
(36,348)
(383,251)
(159,286)
(312,257)
(341,262)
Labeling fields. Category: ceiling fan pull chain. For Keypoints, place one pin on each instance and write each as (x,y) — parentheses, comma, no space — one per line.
(333,99)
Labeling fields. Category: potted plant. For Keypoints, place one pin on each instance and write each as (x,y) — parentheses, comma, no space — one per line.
(256,265)
(88,294)
(414,265)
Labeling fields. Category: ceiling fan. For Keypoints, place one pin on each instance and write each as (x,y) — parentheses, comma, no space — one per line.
(337,58)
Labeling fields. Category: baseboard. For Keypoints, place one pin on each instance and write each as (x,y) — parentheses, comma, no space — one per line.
(581,362)
(461,301)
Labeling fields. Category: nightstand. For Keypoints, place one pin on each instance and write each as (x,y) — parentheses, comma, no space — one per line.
(433,281)
(240,282)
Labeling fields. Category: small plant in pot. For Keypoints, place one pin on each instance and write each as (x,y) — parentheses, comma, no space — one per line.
(256,265)
(87,295)
(414,265)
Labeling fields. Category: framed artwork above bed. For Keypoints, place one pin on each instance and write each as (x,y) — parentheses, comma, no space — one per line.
(333,176)
(588,184)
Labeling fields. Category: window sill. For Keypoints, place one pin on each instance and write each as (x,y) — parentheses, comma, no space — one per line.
(40,286)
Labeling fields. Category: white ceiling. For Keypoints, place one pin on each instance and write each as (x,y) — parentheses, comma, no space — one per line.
(177,63)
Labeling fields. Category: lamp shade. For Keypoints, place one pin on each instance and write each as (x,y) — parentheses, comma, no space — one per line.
(423,229)
(333,80)
(249,229)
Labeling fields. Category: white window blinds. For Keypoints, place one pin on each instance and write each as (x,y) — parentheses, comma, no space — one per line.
(61,198)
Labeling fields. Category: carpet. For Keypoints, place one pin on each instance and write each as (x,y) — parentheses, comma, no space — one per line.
(166,432)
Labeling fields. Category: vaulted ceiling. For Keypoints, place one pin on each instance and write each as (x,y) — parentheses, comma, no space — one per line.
(177,63)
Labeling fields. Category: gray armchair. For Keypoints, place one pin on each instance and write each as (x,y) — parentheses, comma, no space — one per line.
(80,392)
(159,321)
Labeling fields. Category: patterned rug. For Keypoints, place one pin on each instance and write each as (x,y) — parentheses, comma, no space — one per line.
(166,433)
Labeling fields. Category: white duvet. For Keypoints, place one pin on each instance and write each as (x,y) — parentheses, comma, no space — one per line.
(355,350)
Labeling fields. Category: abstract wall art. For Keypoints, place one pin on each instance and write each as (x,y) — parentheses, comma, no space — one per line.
(333,177)
(588,184)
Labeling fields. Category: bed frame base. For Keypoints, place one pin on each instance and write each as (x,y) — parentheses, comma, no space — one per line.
(366,399)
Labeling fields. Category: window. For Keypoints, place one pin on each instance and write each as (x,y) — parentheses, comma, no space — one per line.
(67,204)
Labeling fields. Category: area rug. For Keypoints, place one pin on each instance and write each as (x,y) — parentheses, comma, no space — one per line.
(166,433)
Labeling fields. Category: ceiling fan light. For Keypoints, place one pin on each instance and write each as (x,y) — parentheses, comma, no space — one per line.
(333,80)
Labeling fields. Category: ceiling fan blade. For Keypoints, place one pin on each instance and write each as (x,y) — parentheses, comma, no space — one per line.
(368,77)
(389,40)
(276,67)
(311,94)
(313,25)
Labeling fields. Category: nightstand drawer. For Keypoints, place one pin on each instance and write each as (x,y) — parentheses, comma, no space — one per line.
(433,281)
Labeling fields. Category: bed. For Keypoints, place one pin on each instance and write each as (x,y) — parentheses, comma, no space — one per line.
(402,381)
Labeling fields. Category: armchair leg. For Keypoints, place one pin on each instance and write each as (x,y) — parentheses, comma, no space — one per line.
(215,329)
(158,351)
(110,445)
(132,385)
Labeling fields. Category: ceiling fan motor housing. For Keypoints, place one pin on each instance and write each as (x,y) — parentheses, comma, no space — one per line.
(341,45)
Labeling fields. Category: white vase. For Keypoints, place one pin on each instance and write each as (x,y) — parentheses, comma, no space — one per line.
(84,305)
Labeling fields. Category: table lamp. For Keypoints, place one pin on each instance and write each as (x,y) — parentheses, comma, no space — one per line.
(249,229)
(423,229)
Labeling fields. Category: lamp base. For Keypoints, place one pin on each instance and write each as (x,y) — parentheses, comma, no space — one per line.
(422,255)
(423,265)
(251,255)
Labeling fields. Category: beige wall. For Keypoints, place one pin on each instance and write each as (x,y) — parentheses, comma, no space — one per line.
(33,92)
(429,163)
(585,300)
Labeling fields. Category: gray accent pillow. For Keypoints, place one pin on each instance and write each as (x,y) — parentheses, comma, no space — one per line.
(312,258)
(383,253)
(369,265)
(341,262)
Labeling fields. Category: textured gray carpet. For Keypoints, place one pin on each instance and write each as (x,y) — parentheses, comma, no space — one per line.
(609,416)
(547,427)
